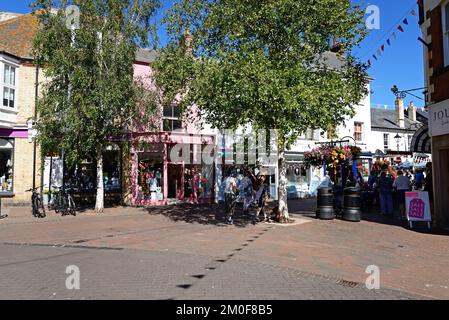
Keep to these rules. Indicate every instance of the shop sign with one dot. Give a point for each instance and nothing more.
(439, 119)
(418, 206)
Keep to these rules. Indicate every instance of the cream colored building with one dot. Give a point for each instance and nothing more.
(18, 76)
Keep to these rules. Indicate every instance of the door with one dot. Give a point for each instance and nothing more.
(174, 181)
(444, 164)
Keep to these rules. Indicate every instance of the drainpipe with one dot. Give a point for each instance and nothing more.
(35, 118)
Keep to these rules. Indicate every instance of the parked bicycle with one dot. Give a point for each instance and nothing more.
(62, 202)
(37, 204)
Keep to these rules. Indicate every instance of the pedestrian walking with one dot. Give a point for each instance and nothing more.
(386, 196)
(419, 179)
(262, 195)
(230, 197)
(402, 184)
(247, 188)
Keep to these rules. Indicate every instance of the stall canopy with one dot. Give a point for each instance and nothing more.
(421, 141)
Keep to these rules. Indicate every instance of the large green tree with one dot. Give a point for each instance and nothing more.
(265, 63)
(90, 95)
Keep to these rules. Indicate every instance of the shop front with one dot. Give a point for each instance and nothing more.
(16, 166)
(81, 178)
(169, 167)
(299, 177)
(439, 131)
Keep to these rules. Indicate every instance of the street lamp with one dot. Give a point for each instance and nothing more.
(397, 138)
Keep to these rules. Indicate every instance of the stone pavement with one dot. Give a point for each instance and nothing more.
(187, 252)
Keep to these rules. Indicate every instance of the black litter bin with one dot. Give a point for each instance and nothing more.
(325, 204)
(352, 205)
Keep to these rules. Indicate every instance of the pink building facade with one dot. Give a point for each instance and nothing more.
(158, 178)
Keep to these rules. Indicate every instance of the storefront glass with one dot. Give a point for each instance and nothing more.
(150, 178)
(6, 165)
(297, 175)
(363, 166)
(83, 177)
(111, 171)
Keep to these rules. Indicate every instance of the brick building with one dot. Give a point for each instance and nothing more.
(434, 21)
(18, 78)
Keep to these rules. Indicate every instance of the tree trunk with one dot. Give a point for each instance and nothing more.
(282, 188)
(99, 203)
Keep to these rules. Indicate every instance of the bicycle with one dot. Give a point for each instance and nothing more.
(62, 202)
(37, 204)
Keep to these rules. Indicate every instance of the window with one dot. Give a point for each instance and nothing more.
(309, 134)
(386, 141)
(171, 118)
(9, 86)
(358, 131)
(409, 138)
(6, 165)
(446, 33)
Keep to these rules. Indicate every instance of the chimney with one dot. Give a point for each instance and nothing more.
(400, 116)
(412, 112)
(337, 46)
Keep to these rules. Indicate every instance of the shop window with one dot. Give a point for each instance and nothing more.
(150, 178)
(83, 177)
(198, 179)
(111, 171)
(6, 165)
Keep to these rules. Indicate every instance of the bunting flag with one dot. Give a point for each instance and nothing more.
(401, 28)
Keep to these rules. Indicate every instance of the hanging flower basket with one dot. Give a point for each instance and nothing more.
(332, 156)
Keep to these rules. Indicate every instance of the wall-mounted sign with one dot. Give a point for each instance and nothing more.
(439, 119)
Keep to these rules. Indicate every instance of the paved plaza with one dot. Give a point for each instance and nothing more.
(188, 252)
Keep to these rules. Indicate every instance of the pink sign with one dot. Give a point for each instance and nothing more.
(418, 206)
(417, 209)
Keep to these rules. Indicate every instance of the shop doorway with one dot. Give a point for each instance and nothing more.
(175, 178)
(444, 174)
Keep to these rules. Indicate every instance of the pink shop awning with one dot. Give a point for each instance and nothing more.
(12, 133)
(173, 138)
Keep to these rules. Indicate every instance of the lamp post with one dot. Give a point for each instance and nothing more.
(397, 138)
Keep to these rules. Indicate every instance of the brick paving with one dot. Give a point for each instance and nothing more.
(38, 272)
(187, 252)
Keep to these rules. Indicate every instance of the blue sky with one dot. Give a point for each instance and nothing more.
(400, 64)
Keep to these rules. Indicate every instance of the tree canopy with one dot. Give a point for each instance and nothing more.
(265, 63)
(89, 94)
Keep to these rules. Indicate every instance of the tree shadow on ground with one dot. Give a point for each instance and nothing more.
(204, 214)
(307, 208)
